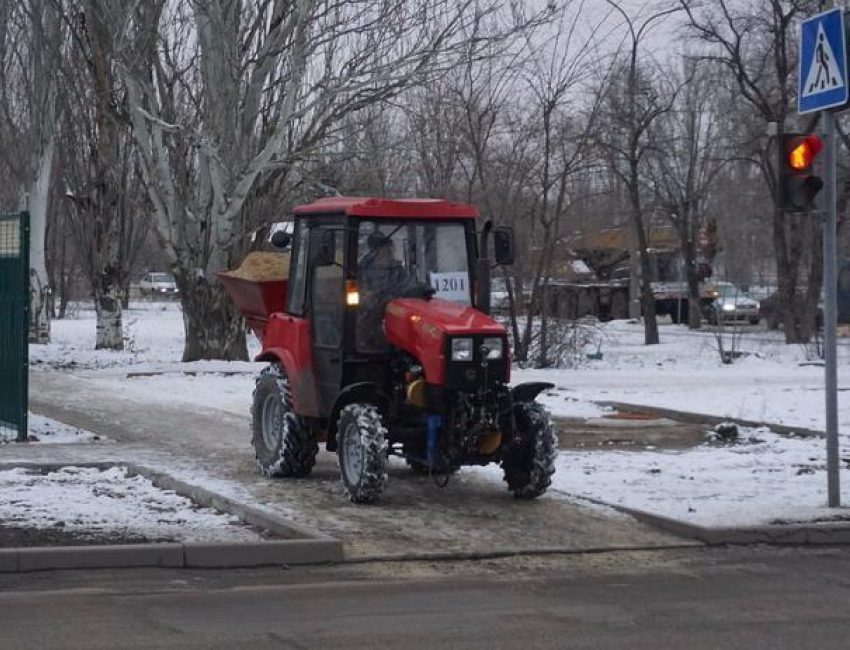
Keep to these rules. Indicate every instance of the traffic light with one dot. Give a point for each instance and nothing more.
(799, 186)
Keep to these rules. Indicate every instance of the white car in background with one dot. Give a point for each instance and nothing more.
(732, 304)
(157, 284)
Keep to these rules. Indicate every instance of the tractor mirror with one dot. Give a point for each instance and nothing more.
(503, 245)
(326, 255)
(281, 239)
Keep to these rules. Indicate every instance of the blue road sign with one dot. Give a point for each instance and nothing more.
(823, 63)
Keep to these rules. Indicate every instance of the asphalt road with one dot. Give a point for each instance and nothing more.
(690, 599)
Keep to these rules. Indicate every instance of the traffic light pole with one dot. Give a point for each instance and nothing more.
(830, 281)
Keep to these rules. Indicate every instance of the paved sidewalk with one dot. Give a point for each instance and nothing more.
(415, 517)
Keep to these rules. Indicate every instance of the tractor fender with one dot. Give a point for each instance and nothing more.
(301, 380)
(364, 391)
(529, 391)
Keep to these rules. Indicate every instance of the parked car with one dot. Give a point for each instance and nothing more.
(153, 284)
(733, 304)
(771, 311)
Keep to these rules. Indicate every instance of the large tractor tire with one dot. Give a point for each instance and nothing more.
(529, 466)
(283, 444)
(362, 450)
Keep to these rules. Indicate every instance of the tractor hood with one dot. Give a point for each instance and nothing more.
(422, 328)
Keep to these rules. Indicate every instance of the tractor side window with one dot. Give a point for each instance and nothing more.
(382, 274)
(298, 272)
(327, 301)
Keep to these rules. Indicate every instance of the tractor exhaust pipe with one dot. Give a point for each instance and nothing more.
(482, 271)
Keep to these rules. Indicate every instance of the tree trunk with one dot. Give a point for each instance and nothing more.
(650, 322)
(543, 360)
(40, 307)
(694, 302)
(214, 328)
(110, 332)
(536, 298)
(520, 353)
(815, 284)
(39, 325)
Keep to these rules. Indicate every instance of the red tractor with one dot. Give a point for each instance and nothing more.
(379, 344)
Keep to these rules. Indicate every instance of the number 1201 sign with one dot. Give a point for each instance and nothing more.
(451, 286)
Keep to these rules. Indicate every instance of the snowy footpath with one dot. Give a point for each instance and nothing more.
(761, 478)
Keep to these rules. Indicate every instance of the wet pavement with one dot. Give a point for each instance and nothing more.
(212, 449)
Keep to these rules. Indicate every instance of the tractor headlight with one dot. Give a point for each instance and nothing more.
(461, 349)
(494, 348)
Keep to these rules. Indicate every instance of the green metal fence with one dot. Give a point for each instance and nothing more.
(14, 321)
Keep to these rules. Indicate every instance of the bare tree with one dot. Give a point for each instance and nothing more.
(30, 39)
(497, 165)
(273, 81)
(99, 162)
(685, 164)
(632, 105)
(755, 44)
(508, 130)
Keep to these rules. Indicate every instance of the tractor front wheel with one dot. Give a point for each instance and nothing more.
(283, 444)
(362, 450)
(529, 465)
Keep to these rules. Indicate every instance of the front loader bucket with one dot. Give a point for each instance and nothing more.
(258, 288)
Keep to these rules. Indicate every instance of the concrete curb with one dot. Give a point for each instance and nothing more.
(301, 545)
(790, 534)
(803, 534)
(701, 418)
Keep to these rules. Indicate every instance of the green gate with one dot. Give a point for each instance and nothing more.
(14, 321)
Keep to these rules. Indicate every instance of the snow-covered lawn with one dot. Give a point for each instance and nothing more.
(775, 383)
(765, 478)
(92, 502)
(153, 332)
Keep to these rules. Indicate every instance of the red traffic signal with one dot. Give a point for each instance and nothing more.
(798, 185)
(803, 152)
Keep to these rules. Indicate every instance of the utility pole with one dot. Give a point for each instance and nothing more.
(823, 87)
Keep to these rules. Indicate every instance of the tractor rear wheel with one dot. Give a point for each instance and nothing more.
(283, 444)
(529, 466)
(362, 450)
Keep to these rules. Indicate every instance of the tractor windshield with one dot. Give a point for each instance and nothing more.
(394, 256)
(417, 253)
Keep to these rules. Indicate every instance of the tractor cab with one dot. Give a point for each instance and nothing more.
(351, 259)
(385, 346)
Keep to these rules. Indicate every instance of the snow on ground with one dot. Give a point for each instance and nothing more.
(46, 431)
(684, 372)
(229, 392)
(94, 502)
(152, 333)
(765, 478)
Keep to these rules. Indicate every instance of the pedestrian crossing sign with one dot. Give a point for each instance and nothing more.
(823, 63)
